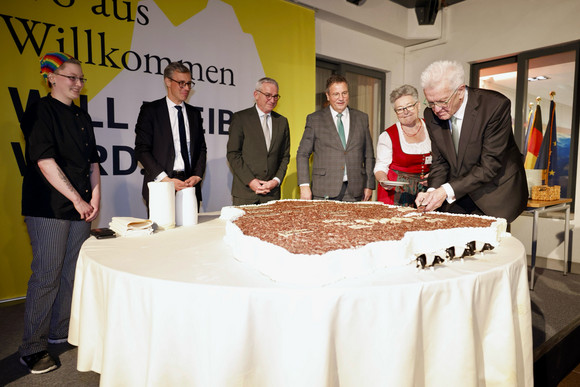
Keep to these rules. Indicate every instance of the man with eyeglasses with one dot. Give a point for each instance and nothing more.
(169, 139)
(258, 148)
(477, 166)
(339, 138)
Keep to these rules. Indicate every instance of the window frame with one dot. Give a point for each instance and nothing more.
(522, 60)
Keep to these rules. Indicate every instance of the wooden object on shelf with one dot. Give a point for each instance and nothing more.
(544, 192)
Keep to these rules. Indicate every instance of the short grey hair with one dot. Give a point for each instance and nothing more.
(402, 91)
(443, 72)
(261, 81)
(173, 67)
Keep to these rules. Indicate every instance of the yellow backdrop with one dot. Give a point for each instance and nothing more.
(283, 34)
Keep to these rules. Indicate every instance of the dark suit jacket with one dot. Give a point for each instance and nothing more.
(248, 156)
(488, 166)
(321, 138)
(154, 147)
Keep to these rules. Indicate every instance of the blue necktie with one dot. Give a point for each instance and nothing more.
(183, 141)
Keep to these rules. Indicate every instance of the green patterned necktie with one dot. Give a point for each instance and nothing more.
(340, 129)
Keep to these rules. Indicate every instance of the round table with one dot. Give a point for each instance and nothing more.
(175, 308)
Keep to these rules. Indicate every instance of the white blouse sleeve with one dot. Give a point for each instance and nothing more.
(384, 153)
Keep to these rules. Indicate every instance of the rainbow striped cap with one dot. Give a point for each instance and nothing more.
(51, 61)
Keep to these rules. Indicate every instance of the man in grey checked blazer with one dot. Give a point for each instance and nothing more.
(322, 138)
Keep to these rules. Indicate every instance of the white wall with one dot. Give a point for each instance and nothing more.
(472, 30)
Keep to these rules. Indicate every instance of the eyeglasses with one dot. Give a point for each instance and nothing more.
(73, 78)
(404, 109)
(269, 96)
(182, 84)
(441, 104)
(336, 95)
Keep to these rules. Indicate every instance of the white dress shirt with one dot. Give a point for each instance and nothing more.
(346, 125)
(269, 120)
(178, 164)
(459, 114)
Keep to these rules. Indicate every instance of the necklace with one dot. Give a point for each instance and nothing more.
(416, 132)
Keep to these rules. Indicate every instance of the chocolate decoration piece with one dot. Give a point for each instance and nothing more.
(421, 261)
(470, 248)
(437, 260)
(487, 246)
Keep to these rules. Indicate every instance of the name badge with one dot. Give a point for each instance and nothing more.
(428, 159)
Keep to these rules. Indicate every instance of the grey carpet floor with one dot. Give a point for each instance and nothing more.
(555, 304)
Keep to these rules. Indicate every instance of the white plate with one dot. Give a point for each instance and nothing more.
(394, 183)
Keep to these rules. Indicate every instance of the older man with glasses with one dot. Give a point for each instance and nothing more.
(477, 167)
(258, 148)
(169, 139)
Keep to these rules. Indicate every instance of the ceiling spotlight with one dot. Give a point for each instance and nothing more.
(357, 2)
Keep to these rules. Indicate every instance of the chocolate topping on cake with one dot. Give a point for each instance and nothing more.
(317, 227)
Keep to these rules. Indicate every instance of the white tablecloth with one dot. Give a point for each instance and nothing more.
(175, 309)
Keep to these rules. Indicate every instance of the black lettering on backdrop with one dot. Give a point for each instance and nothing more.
(84, 104)
(223, 121)
(223, 71)
(195, 69)
(101, 9)
(117, 150)
(102, 157)
(17, 149)
(29, 33)
(37, 33)
(33, 96)
(61, 3)
(211, 121)
(224, 118)
(111, 116)
(142, 11)
(210, 70)
(158, 60)
(108, 56)
(125, 62)
(89, 59)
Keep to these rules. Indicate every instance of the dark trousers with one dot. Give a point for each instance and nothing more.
(464, 205)
(55, 249)
(237, 201)
(343, 196)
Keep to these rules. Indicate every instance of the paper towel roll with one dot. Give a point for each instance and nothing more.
(534, 177)
(162, 204)
(186, 207)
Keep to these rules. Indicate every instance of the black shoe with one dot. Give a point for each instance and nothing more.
(39, 362)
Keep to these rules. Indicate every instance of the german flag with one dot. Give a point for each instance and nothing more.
(534, 140)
